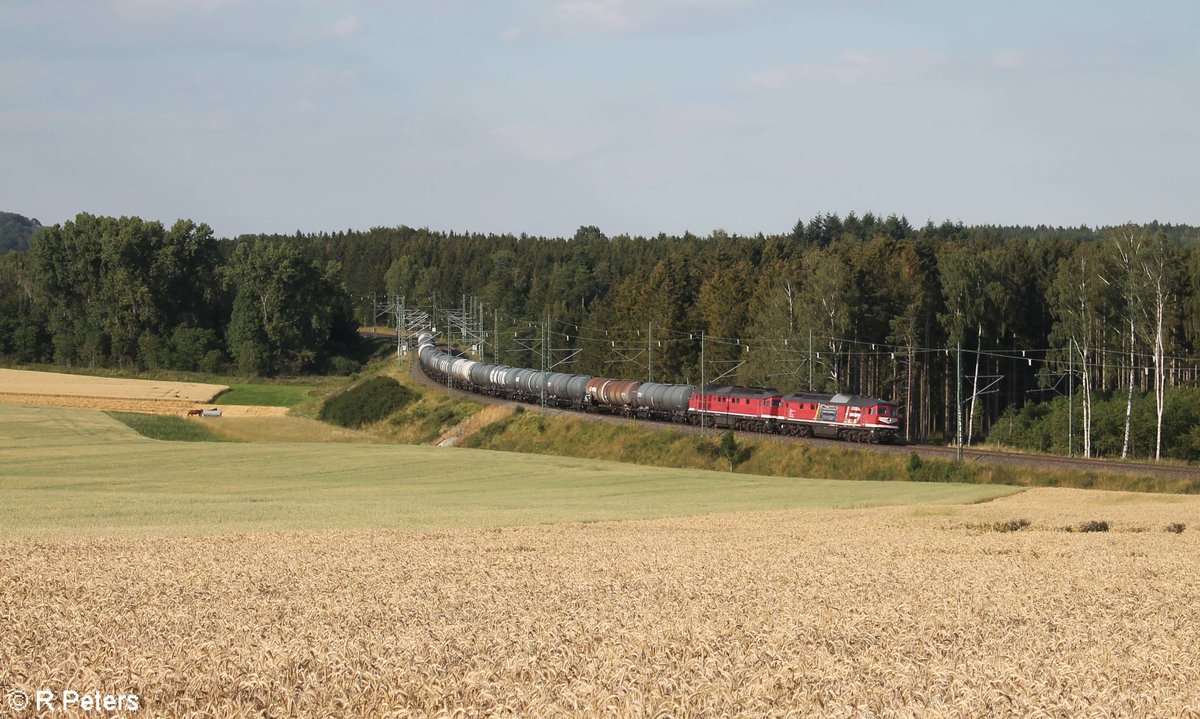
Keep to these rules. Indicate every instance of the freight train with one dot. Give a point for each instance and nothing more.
(756, 409)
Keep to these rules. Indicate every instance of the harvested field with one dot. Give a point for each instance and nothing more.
(14, 381)
(894, 611)
(110, 394)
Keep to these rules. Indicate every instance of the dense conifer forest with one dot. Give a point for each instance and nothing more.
(1026, 316)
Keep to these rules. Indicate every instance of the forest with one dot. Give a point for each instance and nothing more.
(1065, 339)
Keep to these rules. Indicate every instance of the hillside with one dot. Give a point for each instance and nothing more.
(16, 231)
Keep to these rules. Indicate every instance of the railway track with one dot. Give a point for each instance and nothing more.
(925, 451)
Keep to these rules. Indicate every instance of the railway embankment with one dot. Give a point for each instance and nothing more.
(530, 429)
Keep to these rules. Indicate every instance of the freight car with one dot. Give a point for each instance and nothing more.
(755, 409)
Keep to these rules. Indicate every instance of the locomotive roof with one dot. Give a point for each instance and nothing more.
(854, 400)
(731, 391)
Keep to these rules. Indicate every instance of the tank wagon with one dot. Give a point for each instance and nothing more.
(850, 417)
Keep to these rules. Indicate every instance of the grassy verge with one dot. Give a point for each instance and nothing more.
(166, 428)
(573, 437)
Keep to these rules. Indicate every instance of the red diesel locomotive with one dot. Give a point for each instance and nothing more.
(808, 414)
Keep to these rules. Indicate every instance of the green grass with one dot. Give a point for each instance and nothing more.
(82, 473)
(570, 436)
(170, 429)
(267, 395)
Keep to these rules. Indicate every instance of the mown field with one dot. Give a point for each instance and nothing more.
(75, 472)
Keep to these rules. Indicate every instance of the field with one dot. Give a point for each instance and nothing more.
(894, 611)
(274, 395)
(230, 580)
(116, 394)
(73, 472)
(13, 381)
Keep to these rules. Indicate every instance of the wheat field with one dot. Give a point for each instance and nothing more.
(894, 611)
(29, 382)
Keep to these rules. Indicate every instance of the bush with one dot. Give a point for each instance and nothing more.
(1092, 526)
(343, 366)
(1012, 525)
(366, 402)
(1176, 528)
(936, 470)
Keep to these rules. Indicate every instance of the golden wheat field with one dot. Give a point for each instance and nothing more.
(896, 611)
(53, 383)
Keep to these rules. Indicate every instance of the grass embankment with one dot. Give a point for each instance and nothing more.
(529, 432)
(387, 403)
(82, 473)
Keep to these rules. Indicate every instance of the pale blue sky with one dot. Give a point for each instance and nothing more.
(637, 116)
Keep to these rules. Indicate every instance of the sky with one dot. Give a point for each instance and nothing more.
(636, 116)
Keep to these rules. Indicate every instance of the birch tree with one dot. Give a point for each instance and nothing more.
(1158, 265)
(1075, 304)
(1126, 248)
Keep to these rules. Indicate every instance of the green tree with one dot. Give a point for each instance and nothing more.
(287, 312)
(730, 449)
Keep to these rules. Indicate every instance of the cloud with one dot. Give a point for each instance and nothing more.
(159, 8)
(596, 15)
(613, 17)
(544, 143)
(849, 67)
(1011, 60)
(694, 118)
(346, 28)
(772, 79)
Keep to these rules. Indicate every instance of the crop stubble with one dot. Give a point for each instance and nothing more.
(115, 394)
(909, 611)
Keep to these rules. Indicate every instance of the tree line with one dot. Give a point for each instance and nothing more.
(863, 304)
(129, 293)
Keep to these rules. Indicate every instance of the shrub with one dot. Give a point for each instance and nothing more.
(1176, 528)
(343, 366)
(1012, 525)
(936, 470)
(1092, 526)
(366, 402)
